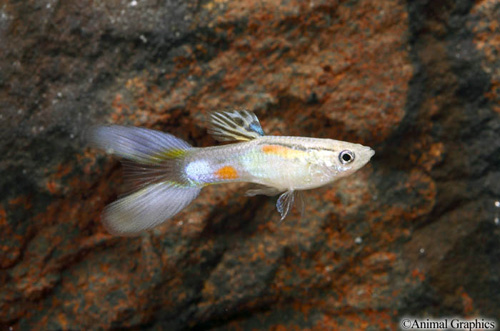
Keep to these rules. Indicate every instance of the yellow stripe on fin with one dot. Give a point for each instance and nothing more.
(170, 154)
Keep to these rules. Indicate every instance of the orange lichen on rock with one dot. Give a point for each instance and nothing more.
(21, 200)
(487, 40)
(418, 274)
(3, 217)
(467, 302)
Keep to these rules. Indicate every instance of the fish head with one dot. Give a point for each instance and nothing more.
(341, 158)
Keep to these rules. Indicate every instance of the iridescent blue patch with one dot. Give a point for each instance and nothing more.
(255, 127)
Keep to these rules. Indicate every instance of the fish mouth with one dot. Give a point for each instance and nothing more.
(369, 151)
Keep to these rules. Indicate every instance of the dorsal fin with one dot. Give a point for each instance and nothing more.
(234, 125)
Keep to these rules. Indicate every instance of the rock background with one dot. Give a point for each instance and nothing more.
(415, 233)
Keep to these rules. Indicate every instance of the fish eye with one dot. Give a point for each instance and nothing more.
(346, 157)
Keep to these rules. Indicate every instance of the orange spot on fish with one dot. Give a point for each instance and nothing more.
(226, 172)
(284, 152)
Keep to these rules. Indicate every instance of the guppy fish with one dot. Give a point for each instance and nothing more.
(169, 173)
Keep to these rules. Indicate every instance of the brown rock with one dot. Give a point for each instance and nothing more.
(413, 233)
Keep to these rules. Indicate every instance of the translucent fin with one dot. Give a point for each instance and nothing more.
(147, 208)
(301, 205)
(139, 175)
(153, 165)
(256, 189)
(285, 203)
(137, 144)
(235, 125)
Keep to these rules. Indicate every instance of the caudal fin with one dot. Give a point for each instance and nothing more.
(146, 208)
(154, 167)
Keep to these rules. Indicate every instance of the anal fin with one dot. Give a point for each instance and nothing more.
(258, 189)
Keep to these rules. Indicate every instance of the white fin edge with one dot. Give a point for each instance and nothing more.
(147, 208)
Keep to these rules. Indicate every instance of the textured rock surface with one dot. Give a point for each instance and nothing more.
(413, 233)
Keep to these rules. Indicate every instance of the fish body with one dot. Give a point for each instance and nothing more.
(168, 173)
(283, 163)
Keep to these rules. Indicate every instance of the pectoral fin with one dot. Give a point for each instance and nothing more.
(285, 203)
(240, 125)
